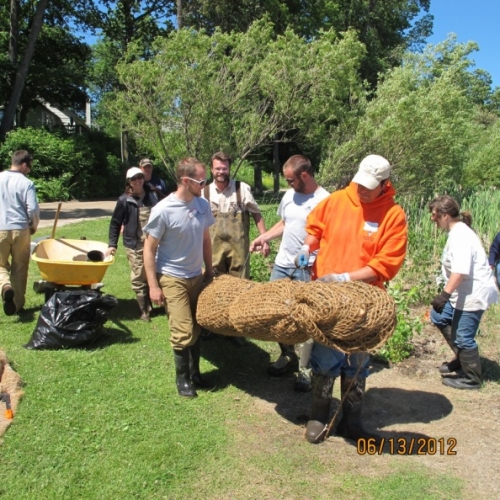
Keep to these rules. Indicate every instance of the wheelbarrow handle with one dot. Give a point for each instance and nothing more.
(55, 221)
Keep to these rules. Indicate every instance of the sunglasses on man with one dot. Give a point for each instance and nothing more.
(200, 183)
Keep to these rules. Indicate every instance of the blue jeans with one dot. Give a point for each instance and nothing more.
(332, 363)
(294, 273)
(497, 273)
(464, 325)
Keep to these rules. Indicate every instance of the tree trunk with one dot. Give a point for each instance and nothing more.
(14, 31)
(179, 14)
(22, 70)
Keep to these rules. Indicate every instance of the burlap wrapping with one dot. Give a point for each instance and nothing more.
(351, 316)
(10, 382)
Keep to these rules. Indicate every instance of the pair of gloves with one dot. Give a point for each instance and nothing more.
(302, 260)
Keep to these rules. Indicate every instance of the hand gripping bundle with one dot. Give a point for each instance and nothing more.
(351, 316)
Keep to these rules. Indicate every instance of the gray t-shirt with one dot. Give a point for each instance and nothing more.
(179, 225)
(18, 204)
(293, 210)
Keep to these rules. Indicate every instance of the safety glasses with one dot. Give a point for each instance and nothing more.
(200, 183)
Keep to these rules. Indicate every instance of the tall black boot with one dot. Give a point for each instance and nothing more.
(288, 362)
(182, 379)
(322, 387)
(471, 365)
(194, 367)
(144, 306)
(351, 425)
(449, 366)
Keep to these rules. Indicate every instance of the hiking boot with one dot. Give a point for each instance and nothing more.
(9, 308)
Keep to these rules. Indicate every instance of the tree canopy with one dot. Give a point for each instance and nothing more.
(236, 91)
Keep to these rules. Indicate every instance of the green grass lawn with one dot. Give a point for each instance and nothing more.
(106, 422)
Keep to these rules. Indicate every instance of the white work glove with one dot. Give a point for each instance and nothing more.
(335, 278)
(302, 258)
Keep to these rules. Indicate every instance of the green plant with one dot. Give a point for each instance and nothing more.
(56, 188)
(68, 166)
(399, 345)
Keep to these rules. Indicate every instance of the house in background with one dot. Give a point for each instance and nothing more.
(46, 115)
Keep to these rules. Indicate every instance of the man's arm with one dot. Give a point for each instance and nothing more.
(33, 209)
(275, 232)
(155, 292)
(207, 252)
(259, 222)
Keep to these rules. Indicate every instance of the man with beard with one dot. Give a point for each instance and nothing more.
(294, 208)
(177, 244)
(232, 204)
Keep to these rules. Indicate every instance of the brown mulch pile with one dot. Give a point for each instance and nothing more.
(10, 384)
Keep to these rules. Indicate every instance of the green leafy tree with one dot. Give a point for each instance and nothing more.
(42, 59)
(424, 119)
(236, 91)
(385, 28)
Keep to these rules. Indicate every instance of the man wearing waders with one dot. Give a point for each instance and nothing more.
(293, 210)
(232, 203)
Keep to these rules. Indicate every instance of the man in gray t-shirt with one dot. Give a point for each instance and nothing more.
(294, 208)
(177, 244)
(19, 217)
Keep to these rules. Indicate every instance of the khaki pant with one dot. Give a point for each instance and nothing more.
(137, 272)
(16, 245)
(181, 295)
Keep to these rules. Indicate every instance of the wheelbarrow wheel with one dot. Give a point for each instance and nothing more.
(48, 295)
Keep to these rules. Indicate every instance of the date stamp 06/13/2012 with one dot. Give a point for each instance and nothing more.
(407, 446)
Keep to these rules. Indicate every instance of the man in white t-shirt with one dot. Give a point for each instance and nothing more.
(293, 210)
(177, 245)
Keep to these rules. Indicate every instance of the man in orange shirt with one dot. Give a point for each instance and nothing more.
(361, 234)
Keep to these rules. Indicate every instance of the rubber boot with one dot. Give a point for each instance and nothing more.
(144, 306)
(351, 425)
(316, 427)
(303, 380)
(471, 366)
(449, 366)
(9, 308)
(182, 379)
(194, 367)
(288, 362)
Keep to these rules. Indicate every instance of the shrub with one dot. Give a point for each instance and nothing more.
(68, 166)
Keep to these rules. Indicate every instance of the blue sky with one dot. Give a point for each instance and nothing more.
(477, 21)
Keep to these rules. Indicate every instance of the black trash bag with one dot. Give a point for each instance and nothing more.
(70, 319)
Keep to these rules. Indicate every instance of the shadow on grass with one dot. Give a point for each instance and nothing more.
(128, 309)
(110, 336)
(491, 370)
(246, 368)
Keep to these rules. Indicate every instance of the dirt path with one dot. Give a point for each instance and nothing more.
(74, 211)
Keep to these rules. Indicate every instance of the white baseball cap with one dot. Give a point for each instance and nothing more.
(372, 171)
(133, 171)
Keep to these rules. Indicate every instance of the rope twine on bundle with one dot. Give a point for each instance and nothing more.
(351, 316)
